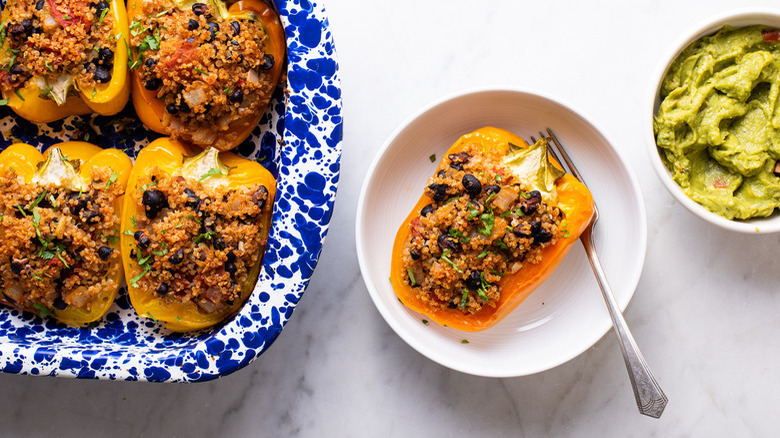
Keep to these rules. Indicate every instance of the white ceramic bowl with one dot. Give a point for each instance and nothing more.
(564, 316)
(734, 18)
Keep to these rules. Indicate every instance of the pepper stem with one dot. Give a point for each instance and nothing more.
(207, 168)
(57, 171)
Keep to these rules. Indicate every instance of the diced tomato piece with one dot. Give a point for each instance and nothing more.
(719, 184)
(771, 35)
(75, 13)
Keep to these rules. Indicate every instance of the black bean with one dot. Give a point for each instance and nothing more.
(213, 29)
(442, 173)
(176, 257)
(542, 236)
(153, 84)
(90, 216)
(183, 107)
(236, 26)
(428, 209)
(171, 109)
(192, 198)
(474, 280)
(458, 160)
(143, 240)
(472, 185)
(102, 75)
(39, 4)
(414, 253)
(230, 267)
(28, 26)
(268, 62)
(218, 243)
(150, 63)
(104, 252)
(259, 197)
(162, 289)
(100, 7)
(133, 254)
(17, 265)
(531, 204)
(154, 201)
(439, 192)
(493, 188)
(536, 226)
(192, 24)
(77, 202)
(106, 54)
(17, 69)
(237, 96)
(60, 304)
(199, 8)
(16, 29)
(231, 256)
(445, 242)
(523, 230)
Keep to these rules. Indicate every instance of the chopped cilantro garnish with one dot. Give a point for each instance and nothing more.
(43, 311)
(487, 224)
(412, 281)
(214, 171)
(450, 262)
(111, 179)
(432, 158)
(102, 15)
(463, 299)
(18, 94)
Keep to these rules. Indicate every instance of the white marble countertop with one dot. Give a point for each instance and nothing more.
(704, 313)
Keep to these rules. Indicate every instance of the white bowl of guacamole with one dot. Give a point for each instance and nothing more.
(714, 132)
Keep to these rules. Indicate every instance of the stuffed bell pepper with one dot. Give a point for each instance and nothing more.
(203, 72)
(59, 229)
(63, 57)
(194, 232)
(493, 223)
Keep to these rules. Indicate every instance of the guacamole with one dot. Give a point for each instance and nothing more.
(718, 124)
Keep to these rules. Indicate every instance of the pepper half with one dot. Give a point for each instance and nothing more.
(211, 169)
(41, 100)
(69, 166)
(151, 109)
(572, 198)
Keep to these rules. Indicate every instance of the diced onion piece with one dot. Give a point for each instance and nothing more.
(196, 95)
(252, 77)
(504, 199)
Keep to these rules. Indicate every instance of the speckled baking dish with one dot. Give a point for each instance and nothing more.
(298, 140)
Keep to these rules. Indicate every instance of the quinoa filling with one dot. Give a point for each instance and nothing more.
(481, 225)
(56, 244)
(57, 43)
(197, 243)
(209, 71)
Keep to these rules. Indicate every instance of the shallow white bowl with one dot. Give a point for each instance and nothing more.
(734, 18)
(567, 314)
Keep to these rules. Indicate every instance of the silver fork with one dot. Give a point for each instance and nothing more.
(650, 399)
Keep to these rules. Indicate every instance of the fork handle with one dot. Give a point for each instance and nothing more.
(650, 399)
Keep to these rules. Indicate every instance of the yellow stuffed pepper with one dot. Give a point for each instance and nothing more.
(59, 229)
(194, 227)
(203, 72)
(63, 57)
(493, 223)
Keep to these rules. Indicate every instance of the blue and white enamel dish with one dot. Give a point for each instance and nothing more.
(298, 140)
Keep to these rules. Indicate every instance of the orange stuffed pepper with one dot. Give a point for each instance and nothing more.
(203, 72)
(59, 229)
(495, 220)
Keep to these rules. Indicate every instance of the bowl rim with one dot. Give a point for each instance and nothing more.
(380, 156)
(702, 28)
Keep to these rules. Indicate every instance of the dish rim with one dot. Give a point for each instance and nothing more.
(384, 151)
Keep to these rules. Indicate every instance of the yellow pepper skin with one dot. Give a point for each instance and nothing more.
(25, 161)
(150, 109)
(173, 157)
(107, 99)
(574, 200)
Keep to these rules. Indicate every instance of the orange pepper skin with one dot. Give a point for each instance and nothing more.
(169, 156)
(150, 109)
(108, 99)
(574, 200)
(24, 159)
